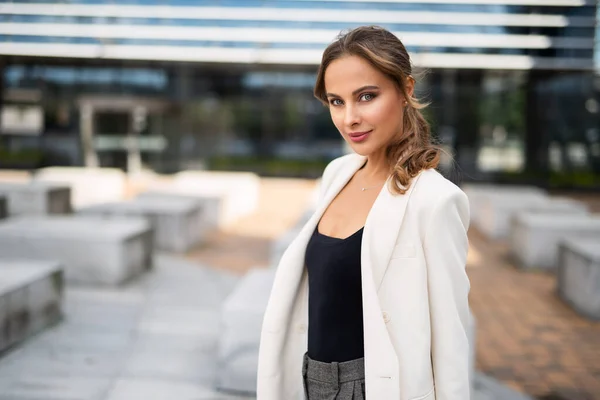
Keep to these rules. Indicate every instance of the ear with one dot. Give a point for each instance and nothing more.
(410, 85)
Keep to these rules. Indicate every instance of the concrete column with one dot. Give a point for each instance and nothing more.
(134, 155)
(86, 128)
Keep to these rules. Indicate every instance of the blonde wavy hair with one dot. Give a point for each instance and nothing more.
(412, 150)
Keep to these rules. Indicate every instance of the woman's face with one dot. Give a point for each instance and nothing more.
(365, 105)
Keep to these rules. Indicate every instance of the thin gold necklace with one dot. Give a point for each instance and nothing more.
(363, 188)
(368, 187)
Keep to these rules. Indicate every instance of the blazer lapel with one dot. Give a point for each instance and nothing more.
(381, 230)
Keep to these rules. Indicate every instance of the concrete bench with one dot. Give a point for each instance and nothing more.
(496, 212)
(176, 223)
(36, 198)
(479, 193)
(88, 185)
(93, 251)
(534, 237)
(579, 274)
(30, 298)
(3, 207)
(238, 191)
(240, 327)
(210, 205)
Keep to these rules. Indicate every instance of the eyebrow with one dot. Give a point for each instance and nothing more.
(360, 89)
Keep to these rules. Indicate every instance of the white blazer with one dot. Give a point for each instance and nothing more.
(414, 293)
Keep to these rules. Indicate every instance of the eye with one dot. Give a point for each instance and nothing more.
(367, 96)
(333, 102)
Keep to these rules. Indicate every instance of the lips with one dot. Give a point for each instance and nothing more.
(358, 136)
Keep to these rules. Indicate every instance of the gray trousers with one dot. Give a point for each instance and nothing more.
(333, 381)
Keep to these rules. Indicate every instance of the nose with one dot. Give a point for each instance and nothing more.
(351, 117)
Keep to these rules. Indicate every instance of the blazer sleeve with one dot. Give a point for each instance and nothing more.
(446, 246)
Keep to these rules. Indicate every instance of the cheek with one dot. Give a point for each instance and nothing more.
(378, 115)
(388, 116)
(336, 118)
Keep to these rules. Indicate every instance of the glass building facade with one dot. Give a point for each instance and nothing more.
(513, 84)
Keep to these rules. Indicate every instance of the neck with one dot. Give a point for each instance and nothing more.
(376, 168)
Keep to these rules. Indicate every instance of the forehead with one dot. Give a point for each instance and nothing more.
(348, 73)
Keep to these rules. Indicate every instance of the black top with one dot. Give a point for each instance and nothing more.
(335, 324)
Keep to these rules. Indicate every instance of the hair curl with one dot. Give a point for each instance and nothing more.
(412, 150)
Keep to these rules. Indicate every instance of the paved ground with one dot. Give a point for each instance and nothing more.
(155, 339)
(527, 337)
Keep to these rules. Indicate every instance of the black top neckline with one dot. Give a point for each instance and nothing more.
(336, 239)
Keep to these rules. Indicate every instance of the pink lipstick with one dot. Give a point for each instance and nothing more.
(358, 136)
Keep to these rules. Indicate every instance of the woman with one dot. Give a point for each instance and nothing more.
(370, 300)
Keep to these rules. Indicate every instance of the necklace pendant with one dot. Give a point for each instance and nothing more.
(363, 189)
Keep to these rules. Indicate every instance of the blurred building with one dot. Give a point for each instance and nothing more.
(228, 83)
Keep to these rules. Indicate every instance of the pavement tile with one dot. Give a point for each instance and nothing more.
(36, 387)
(527, 336)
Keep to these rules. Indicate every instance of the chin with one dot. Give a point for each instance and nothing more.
(361, 149)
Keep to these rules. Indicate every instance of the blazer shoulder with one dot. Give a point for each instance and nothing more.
(433, 188)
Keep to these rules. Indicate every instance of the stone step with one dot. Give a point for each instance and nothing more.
(36, 198)
(88, 185)
(92, 250)
(239, 339)
(534, 238)
(176, 222)
(211, 205)
(579, 274)
(478, 194)
(488, 388)
(496, 214)
(31, 295)
(238, 191)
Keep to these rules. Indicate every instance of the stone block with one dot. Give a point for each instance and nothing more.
(30, 298)
(210, 205)
(176, 223)
(36, 198)
(93, 251)
(88, 185)
(579, 274)
(497, 212)
(534, 237)
(238, 191)
(241, 324)
(479, 193)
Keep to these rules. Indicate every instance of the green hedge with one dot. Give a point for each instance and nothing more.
(20, 159)
(270, 166)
